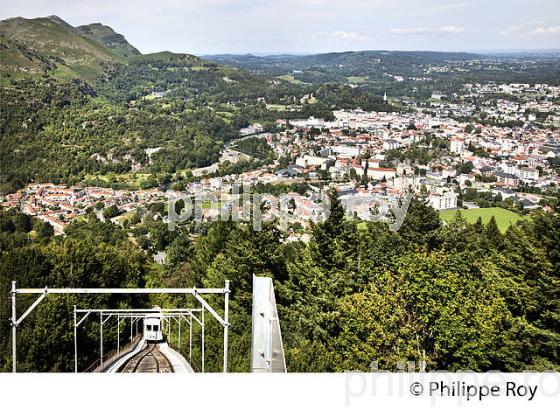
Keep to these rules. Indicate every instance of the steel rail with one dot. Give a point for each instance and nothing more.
(142, 358)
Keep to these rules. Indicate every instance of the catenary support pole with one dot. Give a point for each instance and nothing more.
(190, 339)
(75, 342)
(226, 326)
(14, 319)
(118, 334)
(202, 339)
(101, 337)
(179, 333)
(45, 291)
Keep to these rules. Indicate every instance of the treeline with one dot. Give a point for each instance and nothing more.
(255, 147)
(420, 72)
(344, 97)
(197, 83)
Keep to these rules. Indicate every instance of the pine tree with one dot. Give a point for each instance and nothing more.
(493, 234)
(421, 224)
(327, 234)
(479, 225)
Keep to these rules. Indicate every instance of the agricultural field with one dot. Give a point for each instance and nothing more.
(504, 217)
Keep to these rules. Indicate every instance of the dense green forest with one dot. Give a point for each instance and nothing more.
(64, 131)
(458, 296)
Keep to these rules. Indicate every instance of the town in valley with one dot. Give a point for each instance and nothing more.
(372, 159)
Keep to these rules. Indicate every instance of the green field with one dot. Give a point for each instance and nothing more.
(132, 180)
(357, 80)
(276, 107)
(199, 68)
(208, 205)
(504, 218)
(149, 97)
(289, 78)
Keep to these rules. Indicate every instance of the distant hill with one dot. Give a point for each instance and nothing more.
(170, 57)
(349, 63)
(337, 58)
(109, 38)
(399, 73)
(50, 46)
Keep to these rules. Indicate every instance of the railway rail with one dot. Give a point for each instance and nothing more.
(148, 360)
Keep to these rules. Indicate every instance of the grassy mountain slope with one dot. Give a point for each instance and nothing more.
(43, 46)
(109, 38)
(52, 47)
(63, 23)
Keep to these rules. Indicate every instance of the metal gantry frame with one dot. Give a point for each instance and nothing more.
(135, 315)
(205, 306)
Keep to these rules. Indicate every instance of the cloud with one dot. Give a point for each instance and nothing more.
(519, 29)
(450, 6)
(546, 30)
(530, 28)
(422, 31)
(345, 35)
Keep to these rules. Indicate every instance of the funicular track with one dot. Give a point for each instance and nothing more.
(148, 360)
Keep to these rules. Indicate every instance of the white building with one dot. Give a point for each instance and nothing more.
(391, 144)
(447, 200)
(311, 160)
(529, 174)
(379, 173)
(347, 151)
(457, 145)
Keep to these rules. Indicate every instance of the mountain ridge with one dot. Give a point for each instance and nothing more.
(50, 46)
(47, 46)
(109, 38)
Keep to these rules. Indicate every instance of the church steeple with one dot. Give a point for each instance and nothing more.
(385, 97)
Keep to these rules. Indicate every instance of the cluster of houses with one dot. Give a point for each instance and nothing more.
(354, 146)
(59, 205)
(349, 154)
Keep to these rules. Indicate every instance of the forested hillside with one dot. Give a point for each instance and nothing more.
(460, 297)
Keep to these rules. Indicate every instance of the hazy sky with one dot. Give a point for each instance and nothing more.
(274, 26)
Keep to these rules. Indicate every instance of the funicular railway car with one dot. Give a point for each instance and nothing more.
(152, 329)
